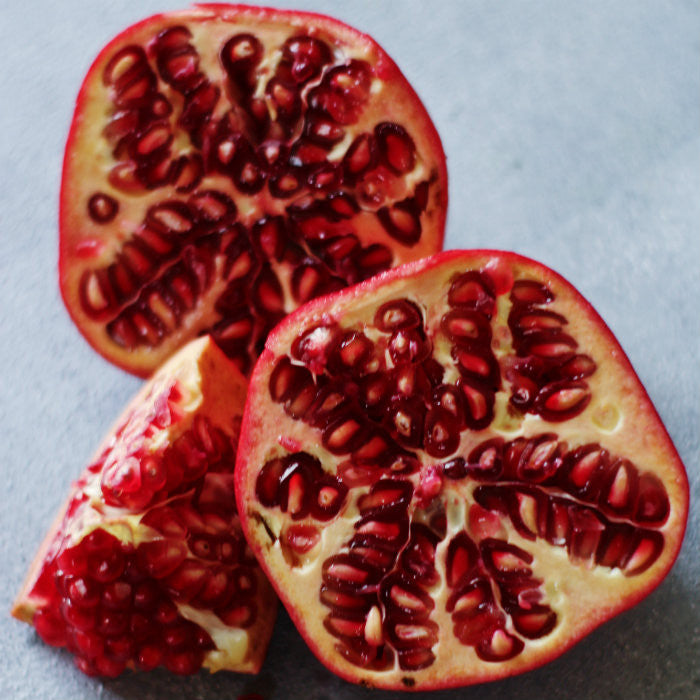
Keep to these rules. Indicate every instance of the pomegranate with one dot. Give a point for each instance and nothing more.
(226, 164)
(146, 565)
(451, 473)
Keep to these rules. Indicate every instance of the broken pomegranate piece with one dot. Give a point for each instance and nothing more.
(451, 473)
(147, 565)
(225, 165)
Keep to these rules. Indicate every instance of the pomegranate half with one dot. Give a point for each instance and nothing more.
(451, 473)
(226, 164)
(146, 564)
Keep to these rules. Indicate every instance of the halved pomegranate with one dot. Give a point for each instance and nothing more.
(146, 564)
(226, 164)
(451, 473)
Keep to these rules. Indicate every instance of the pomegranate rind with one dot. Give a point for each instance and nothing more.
(84, 245)
(620, 416)
(215, 389)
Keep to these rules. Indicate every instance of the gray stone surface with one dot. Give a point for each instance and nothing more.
(573, 136)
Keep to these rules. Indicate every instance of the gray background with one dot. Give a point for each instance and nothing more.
(573, 136)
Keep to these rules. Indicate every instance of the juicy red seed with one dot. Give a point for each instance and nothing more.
(360, 156)
(530, 292)
(112, 623)
(159, 558)
(102, 208)
(505, 561)
(408, 346)
(404, 600)
(385, 495)
(81, 618)
(561, 401)
(321, 130)
(310, 347)
(239, 56)
(406, 416)
(462, 558)
(351, 351)
(127, 60)
(441, 433)
(50, 626)
(117, 595)
(172, 39)
(301, 538)
(499, 646)
(343, 92)
(288, 380)
(455, 468)
(478, 402)
(89, 644)
(486, 460)
(466, 326)
(473, 290)
(402, 221)
(149, 657)
(652, 502)
(305, 57)
(398, 314)
(184, 663)
(373, 259)
(329, 496)
(578, 367)
(396, 146)
(83, 591)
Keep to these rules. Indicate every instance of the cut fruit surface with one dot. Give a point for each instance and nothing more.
(146, 565)
(225, 165)
(451, 473)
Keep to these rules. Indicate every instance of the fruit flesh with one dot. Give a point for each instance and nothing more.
(226, 164)
(146, 564)
(447, 562)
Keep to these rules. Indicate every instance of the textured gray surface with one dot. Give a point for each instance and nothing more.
(573, 136)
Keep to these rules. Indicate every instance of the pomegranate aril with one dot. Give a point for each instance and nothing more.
(160, 558)
(102, 208)
(360, 157)
(402, 221)
(473, 290)
(499, 645)
(441, 433)
(529, 292)
(408, 346)
(396, 147)
(466, 326)
(82, 619)
(303, 57)
(462, 558)
(239, 56)
(50, 626)
(653, 504)
(83, 591)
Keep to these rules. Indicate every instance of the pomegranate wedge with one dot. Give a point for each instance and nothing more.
(451, 473)
(226, 164)
(146, 564)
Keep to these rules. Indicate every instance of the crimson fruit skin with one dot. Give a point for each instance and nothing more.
(227, 163)
(451, 473)
(146, 564)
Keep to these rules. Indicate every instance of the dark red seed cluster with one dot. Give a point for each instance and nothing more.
(375, 588)
(550, 378)
(298, 485)
(134, 477)
(107, 611)
(114, 605)
(479, 616)
(281, 144)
